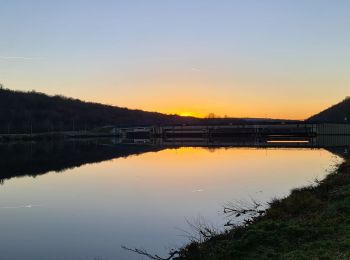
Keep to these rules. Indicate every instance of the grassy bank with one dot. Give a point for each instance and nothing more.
(311, 223)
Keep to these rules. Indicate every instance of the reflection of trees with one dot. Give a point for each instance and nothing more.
(35, 158)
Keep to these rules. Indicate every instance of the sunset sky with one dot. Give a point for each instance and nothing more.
(244, 58)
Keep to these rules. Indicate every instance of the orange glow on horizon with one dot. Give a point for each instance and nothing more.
(185, 114)
(202, 105)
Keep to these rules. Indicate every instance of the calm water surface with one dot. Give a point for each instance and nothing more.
(142, 200)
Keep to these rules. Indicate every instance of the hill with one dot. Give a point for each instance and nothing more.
(338, 113)
(34, 112)
(25, 112)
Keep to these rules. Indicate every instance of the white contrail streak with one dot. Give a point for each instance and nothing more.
(19, 58)
(20, 207)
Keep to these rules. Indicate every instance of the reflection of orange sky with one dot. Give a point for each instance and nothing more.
(163, 189)
(157, 181)
(190, 168)
(203, 157)
(203, 162)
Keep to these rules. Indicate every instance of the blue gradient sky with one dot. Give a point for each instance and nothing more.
(240, 58)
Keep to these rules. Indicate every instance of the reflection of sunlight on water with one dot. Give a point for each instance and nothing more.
(287, 141)
(99, 205)
(185, 150)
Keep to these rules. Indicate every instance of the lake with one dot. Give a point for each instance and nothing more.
(84, 199)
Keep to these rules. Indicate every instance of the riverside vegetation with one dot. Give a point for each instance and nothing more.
(311, 223)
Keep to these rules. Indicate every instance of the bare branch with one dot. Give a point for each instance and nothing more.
(202, 230)
(143, 252)
(241, 208)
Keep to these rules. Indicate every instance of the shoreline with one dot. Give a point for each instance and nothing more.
(313, 222)
(53, 135)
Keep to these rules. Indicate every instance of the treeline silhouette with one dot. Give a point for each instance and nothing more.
(30, 112)
(34, 112)
(338, 113)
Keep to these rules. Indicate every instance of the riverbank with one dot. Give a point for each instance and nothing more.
(311, 223)
(53, 136)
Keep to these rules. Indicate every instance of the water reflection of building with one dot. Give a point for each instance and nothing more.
(338, 144)
(29, 158)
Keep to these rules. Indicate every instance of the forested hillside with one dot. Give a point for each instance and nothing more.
(25, 112)
(338, 113)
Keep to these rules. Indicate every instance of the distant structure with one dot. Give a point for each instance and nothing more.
(243, 130)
